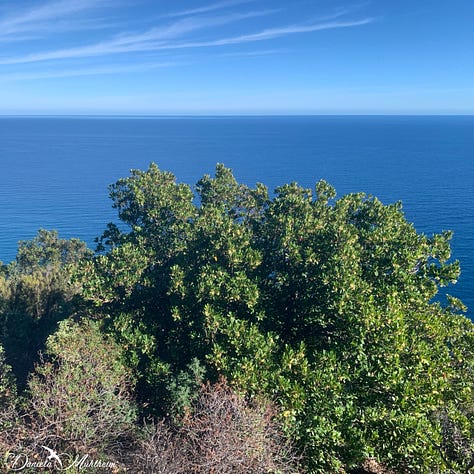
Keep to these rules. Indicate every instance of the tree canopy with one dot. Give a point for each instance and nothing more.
(326, 306)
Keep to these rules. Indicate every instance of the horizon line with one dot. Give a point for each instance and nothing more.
(230, 115)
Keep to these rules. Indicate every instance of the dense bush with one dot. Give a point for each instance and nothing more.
(77, 404)
(8, 402)
(325, 306)
(221, 433)
(79, 396)
(7, 383)
(36, 293)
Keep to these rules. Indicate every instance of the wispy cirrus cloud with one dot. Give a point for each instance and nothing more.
(208, 8)
(154, 39)
(91, 71)
(40, 17)
(273, 33)
(170, 37)
(258, 52)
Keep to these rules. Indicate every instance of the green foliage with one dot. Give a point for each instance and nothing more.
(9, 419)
(80, 393)
(7, 383)
(36, 293)
(183, 388)
(325, 306)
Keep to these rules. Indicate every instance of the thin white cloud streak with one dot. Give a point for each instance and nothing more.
(167, 37)
(17, 38)
(60, 26)
(208, 8)
(264, 35)
(95, 71)
(150, 40)
(37, 18)
(263, 52)
(274, 33)
(184, 26)
(333, 16)
(67, 25)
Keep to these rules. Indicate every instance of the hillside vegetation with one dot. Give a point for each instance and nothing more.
(224, 330)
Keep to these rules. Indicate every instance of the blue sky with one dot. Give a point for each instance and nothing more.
(236, 57)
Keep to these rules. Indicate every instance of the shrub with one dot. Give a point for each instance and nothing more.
(328, 306)
(7, 382)
(222, 433)
(36, 293)
(79, 396)
(8, 399)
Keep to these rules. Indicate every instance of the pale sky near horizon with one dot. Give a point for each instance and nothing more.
(236, 57)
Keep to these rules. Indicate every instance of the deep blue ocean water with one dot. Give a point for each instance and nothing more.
(55, 171)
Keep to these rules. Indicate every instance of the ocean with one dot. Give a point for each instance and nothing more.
(55, 171)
